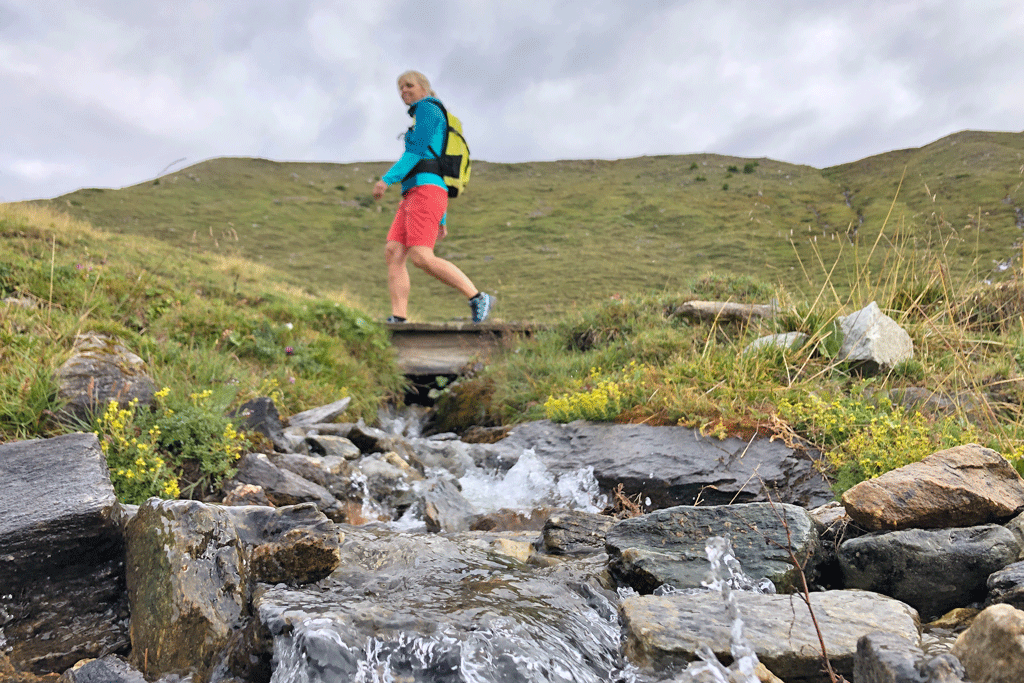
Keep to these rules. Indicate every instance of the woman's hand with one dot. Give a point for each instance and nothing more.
(379, 188)
(442, 231)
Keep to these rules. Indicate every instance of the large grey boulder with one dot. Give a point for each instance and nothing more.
(192, 569)
(668, 546)
(669, 466)
(61, 554)
(932, 570)
(664, 632)
(957, 487)
(101, 369)
(873, 339)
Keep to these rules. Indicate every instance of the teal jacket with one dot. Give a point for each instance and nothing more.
(426, 133)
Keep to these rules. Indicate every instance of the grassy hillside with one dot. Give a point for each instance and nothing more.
(550, 237)
(239, 277)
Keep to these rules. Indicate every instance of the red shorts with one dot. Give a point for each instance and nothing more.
(418, 219)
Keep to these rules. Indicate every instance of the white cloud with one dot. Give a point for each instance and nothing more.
(107, 92)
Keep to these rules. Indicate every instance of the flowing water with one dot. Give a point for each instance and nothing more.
(407, 606)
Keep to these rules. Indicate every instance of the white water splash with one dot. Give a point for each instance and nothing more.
(725, 576)
(529, 485)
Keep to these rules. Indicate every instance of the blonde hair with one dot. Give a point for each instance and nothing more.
(419, 78)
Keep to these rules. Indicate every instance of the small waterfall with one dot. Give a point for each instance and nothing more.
(726, 576)
(529, 484)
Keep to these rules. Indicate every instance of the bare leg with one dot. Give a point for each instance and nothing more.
(447, 272)
(398, 278)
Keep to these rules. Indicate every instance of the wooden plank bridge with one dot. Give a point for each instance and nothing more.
(447, 348)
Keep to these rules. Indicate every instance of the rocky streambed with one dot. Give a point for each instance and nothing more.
(554, 553)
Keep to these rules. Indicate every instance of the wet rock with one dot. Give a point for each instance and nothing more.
(572, 532)
(186, 584)
(284, 487)
(453, 456)
(668, 546)
(962, 486)
(327, 413)
(332, 472)
(888, 658)
(1007, 585)
(192, 567)
(330, 445)
(61, 555)
(294, 545)
(101, 369)
(992, 649)
(261, 417)
(237, 493)
(444, 508)
(109, 669)
(1016, 527)
(663, 632)
(370, 440)
(874, 340)
(932, 570)
(515, 520)
(669, 465)
(388, 480)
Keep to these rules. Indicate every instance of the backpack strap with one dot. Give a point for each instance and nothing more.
(433, 165)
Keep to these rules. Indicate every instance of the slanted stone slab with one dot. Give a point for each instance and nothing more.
(61, 554)
(664, 632)
(957, 487)
(328, 413)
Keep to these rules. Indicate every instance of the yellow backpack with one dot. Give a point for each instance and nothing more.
(452, 164)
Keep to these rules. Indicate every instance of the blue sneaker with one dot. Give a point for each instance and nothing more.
(393, 320)
(481, 306)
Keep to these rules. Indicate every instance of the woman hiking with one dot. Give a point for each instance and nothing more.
(420, 218)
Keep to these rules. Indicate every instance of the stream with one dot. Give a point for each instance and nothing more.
(407, 606)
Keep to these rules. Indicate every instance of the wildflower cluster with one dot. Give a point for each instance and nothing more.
(156, 452)
(862, 440)
(599, 400)
(136, 470)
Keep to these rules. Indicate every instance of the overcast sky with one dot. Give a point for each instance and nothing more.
(109, 93)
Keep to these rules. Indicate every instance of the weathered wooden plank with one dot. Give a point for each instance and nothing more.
(447, 348)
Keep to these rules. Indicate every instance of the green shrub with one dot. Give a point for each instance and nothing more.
(862, 440)
(182, 446)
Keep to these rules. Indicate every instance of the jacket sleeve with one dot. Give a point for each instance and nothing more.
(417, 141)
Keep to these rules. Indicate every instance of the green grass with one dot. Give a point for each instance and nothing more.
(551, 237)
